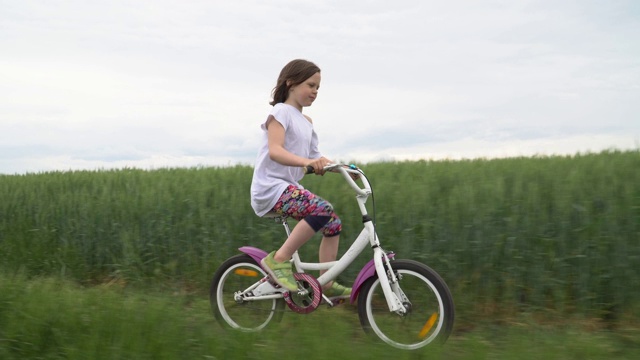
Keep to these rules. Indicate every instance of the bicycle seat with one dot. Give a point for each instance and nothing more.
(271, 215)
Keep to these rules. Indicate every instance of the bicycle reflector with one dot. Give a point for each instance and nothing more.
(428, 325)
(246, 272)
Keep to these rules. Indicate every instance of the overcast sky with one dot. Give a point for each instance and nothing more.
(166, 83)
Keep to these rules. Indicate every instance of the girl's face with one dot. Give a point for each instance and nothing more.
(305, 93)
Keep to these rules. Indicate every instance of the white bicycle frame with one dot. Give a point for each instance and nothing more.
(388, 280)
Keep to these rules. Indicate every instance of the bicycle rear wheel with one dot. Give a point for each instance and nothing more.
(235, 275)
(430, 310)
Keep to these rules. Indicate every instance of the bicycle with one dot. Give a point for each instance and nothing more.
(403, 302)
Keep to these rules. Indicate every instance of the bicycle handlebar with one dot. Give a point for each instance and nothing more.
(308, 170)
(345, 171)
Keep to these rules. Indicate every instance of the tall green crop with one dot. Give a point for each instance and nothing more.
(558, 234)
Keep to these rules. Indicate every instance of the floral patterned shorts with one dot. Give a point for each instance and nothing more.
(303, 204)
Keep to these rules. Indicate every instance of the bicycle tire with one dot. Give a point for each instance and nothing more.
(431, 309)
(237, 274)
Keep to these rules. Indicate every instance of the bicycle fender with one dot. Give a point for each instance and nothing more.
(254, 252)
(367, 271)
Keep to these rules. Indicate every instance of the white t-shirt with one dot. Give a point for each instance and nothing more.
(270, 179)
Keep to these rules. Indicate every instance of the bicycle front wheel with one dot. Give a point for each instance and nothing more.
(430, 310)
(237, 274)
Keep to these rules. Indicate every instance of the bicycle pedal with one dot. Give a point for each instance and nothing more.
(332, 302)
(338, 301)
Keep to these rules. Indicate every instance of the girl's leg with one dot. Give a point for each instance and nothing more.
(313, 214)
(300, 234)
(329, 247)
(330, 239)
(277, 263)
(328, 250)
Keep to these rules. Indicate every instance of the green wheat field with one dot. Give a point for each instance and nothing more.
(542, 255)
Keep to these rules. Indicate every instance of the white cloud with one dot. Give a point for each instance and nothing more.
(169, 83)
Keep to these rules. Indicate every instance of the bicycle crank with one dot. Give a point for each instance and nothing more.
(308, 297)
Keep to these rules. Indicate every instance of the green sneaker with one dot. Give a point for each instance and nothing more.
(337, 291)
(280, 272)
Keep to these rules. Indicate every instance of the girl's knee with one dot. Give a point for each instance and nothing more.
(333, 227)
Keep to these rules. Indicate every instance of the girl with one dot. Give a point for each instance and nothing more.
(289, 144)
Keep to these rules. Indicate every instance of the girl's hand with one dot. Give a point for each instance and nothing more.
(319, 164)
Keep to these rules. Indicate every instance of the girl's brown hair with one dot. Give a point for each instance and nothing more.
(294, 73)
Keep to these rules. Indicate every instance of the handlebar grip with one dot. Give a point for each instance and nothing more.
(308, 170)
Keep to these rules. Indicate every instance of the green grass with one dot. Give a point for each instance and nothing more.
(49, 318)
(548, 235)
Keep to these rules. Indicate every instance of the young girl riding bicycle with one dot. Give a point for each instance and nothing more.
(289, 144)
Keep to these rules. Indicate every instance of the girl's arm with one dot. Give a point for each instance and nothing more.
(277, 152)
